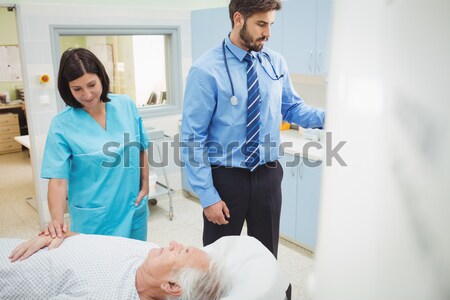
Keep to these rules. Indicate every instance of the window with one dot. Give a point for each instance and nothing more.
(142, 62)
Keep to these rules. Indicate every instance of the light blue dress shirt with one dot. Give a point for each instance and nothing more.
(102, 166)
(214, 130)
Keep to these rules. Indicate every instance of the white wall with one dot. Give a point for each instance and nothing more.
(34, 34)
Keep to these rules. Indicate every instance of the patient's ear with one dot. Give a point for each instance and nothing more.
(172, 288)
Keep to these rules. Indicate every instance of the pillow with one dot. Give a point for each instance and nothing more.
(255, 273)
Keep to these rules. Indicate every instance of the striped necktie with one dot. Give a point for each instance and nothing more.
(253, 112)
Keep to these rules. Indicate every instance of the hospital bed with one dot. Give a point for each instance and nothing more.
(255, 273)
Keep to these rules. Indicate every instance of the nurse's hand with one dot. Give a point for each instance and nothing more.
(142, 193)
(28, 248)
(217, 212)
(56, 229)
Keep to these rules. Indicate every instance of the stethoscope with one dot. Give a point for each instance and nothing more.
(233, 99)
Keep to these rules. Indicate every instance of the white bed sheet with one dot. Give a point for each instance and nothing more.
(69, 273)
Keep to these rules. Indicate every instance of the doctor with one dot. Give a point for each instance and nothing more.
(95, 155)
(236, 97)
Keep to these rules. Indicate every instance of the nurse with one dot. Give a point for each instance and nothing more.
(95, 155)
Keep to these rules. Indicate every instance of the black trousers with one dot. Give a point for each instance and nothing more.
(254, 197)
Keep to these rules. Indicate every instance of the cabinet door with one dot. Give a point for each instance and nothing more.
(299, 35)
(308, 192)
(202, 35)
(289, 196)
(208, 28)
(221, 25)
(324, 8)
(276, 33)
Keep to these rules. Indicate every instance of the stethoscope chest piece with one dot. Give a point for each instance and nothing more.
(234, 100)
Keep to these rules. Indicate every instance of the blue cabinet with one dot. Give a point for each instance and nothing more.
(301, 193)
(323, 33)
(308, 196)
(300, 33)
(289, 204)
(305, 35)
(209, 27)
(201, 33)
(275, 41)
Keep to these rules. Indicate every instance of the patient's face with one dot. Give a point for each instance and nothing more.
(162, 262)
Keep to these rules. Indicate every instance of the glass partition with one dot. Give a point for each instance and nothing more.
(143, 63)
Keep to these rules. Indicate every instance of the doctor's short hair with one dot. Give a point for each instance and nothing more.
(249, 7)
(211, 284)
(75, 62)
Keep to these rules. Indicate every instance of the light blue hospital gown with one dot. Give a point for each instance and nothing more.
(83, 267)
(101, 166)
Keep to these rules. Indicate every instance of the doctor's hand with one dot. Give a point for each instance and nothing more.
(142, 193)
(28, 248)
(217, 212)
(55, 229)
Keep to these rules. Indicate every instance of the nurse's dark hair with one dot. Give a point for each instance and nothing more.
(75, 62)
(249, 7)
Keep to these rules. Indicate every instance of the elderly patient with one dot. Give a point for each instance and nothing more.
(105, 267)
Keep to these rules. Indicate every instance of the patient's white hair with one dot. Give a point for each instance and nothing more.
(211, 284)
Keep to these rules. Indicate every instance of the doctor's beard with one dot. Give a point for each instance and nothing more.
(249, 43)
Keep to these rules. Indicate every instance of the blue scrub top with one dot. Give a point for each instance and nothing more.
(101, 166)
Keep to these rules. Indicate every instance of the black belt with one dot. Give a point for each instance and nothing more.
(270, 164)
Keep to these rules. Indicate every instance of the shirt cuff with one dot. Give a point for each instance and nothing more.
(209, 197)
(319, 121)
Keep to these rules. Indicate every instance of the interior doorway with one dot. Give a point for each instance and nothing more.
(14, 127)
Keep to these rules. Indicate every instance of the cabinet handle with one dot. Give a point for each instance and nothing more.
(300, 170)
(319, 61)
(310, 61)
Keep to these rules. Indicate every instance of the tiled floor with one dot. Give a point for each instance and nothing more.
(19, 219)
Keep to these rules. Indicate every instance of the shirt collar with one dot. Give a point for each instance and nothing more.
(238, 52)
